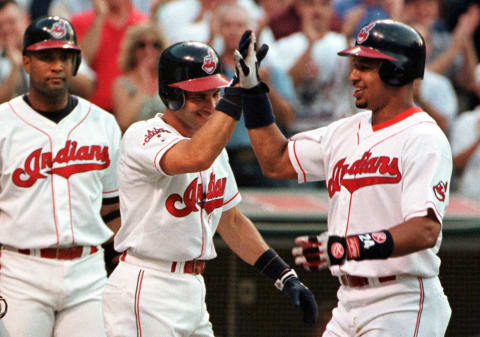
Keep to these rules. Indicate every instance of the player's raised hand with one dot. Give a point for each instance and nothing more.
(319, 252)
(301, 296)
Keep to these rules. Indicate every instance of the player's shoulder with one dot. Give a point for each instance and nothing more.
(150, 128)
(93, 110)
(13, 107)
(424, 133)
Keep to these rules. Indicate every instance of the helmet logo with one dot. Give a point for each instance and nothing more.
(364, 33)
(210, 63)
(58, 30)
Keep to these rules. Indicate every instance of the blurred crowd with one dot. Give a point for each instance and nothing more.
(121, 41)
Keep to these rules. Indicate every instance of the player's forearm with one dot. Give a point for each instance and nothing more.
(209, 141)
(415, 235)
(241, 236)
(271, 149)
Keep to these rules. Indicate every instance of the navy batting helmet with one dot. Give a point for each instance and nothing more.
(188, 66)
(401, 48)
(52, 32)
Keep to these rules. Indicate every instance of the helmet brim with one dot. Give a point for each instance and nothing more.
(51, 44)
(366, 52)
(202, 83)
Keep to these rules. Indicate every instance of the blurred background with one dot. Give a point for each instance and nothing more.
(121, 41)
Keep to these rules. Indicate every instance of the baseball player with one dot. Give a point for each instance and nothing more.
(387, 171)
(58, 156)
(176, 190)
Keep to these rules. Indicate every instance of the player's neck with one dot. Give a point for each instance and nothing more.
(42, 102)
(397, 102)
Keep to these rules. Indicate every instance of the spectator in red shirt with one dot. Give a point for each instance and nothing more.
(101, 31)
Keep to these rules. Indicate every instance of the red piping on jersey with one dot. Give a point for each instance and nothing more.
(137, 302)
(433, 207)
(68, 180)
(202, 223)
(231, 199)
(298, 162)
(358, 133)
(51, 176)
(401, 116)
(106, 192)
(420, 306)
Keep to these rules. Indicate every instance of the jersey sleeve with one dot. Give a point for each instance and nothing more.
(308, 156)
(110, 181)
(427, 171)
(232, 196)
(145, 144)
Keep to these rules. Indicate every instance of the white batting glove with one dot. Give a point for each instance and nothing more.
(247, 67)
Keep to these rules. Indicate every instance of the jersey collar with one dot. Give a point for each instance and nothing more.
(398, 118)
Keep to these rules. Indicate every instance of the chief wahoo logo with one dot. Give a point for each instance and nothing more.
(210, 63)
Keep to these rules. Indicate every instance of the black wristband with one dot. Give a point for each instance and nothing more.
(370, 246)
(257, 108)
(272, 265)
(337, 249)
(231, 102)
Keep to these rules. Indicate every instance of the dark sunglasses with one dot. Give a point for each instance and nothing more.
(143, 44)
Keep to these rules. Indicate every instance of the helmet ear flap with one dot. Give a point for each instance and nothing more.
(392, 74)
(173, 98)
(77, 59)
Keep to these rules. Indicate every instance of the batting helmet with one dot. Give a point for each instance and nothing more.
(188, 66)
(401, 48)
(52, 32)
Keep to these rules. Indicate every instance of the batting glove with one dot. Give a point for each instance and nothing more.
(247, 66)
(299, 295)
(243, 45)
(319, 252)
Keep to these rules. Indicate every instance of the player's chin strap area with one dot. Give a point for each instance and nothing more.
(3, 307)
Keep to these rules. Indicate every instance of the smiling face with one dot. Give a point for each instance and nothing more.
(196, 111)
(370, 91)
(50, 71)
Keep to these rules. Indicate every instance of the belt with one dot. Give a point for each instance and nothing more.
(359, 281)
(184, 267)
(56, 253)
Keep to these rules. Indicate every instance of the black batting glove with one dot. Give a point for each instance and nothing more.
(301, 296)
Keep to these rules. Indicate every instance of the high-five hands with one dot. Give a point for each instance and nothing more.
(247, 59)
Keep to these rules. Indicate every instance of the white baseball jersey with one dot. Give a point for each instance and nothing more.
(378, 177)
(54, 176)
(169, 218)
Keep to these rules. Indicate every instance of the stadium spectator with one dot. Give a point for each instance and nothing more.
(68, 8)
(135, 92)
(280, 17)
(13, 22)
(319, 76)
(358, 13)
(101, 31)
(233, 21)
(435, 94)
(452, 54)
(465, 140)
(197, 22)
